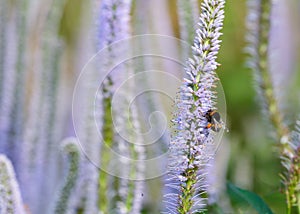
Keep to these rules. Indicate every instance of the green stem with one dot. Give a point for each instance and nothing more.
(188, 191)
(107, 133)
(131, 186)
(133, 120)
(289, 207)
(298, 203)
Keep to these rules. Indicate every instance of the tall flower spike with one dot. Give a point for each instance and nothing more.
(85, 194)
(191, 147)
(72, 150)
(113, 26)
(117, 194)
(10, 196)
(258, 24)
(259, 61)
(13, 77)
(43, 123)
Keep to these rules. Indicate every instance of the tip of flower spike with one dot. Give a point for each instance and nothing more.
(3, 159)
(70, 145)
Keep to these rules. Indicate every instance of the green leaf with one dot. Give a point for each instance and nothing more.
(250, 198)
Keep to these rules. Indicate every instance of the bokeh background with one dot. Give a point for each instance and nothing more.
(247, 156)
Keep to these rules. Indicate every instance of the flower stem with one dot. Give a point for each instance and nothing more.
(298, 200)
(107, 132)
(188, 191)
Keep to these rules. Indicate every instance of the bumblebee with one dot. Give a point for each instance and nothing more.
(214, 120)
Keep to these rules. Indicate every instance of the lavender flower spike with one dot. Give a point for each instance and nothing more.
(10, 196)
(190, 147)
(72, 150)
(290, 160)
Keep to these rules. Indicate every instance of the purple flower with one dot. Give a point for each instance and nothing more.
(192, 147)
